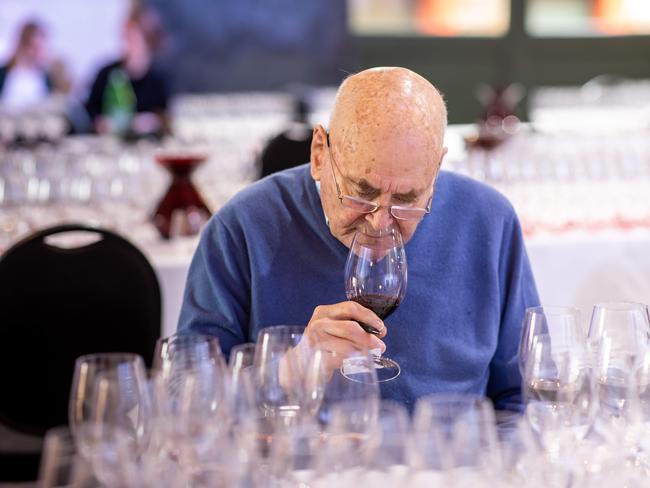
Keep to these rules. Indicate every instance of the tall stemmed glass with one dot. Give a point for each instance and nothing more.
(110, 414)
(619, 334)
(375, 277)
(562, 324)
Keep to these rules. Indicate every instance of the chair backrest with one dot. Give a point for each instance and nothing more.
(59, 303)
(284, 152)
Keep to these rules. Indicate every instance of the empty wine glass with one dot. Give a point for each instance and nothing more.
(242, 378)
(625, 324)
(182, 352)
(241, 356)
(89, 368)
(455, 436)
(386, 461)
(560, 375)
(118, 430)
(326, 387)
(617, 391)
(348, 435)
(280, 357)
(294, 456)
(278, 402)
(375, 277)
(560, 323)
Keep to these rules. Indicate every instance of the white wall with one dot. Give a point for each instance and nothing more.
(83, 33)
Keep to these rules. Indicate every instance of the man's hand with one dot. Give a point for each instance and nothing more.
(336, 330)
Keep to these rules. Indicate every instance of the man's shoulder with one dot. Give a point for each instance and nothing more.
(469, 194)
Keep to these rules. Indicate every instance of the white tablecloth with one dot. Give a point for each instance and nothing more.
(582, 269)
(578, 269)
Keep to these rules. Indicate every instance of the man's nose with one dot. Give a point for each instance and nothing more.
(380, 219)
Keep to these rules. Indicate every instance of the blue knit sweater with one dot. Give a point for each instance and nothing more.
(268, 258)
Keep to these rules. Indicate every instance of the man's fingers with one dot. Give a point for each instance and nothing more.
(351, 311)
(350, 331)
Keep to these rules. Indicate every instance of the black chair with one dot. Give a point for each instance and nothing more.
(58, 303)
(291, 147)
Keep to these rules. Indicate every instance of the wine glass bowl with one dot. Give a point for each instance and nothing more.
(562, 324)
(376, 277)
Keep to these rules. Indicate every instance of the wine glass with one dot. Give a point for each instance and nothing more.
(110, 414)
(89, 369)
(454, 436)
(387, 453)
(326, 387)
(625, 326)
(375, 277)
(561, 323)
(183, 352)
(559, 389)
(241, 379)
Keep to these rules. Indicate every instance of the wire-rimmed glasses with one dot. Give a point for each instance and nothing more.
(360, 205)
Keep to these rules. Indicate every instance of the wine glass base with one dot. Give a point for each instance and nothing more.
(386, 369)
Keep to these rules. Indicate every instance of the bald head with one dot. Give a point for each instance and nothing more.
(388, 101)
(385, 146)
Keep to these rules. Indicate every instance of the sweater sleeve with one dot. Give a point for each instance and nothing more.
(217, 292)
(518, 292)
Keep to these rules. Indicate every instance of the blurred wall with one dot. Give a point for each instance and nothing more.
(230, 45)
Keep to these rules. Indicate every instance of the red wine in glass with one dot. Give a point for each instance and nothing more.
(382, 305)
(375, 277)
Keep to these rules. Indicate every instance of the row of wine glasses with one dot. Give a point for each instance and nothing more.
(278, 413)
(567, 180)
(589, 385)
(103, 181)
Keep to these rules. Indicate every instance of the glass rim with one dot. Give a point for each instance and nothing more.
(553, 310)
(111, 356)
(186, 336)
(289, 329)
(620, 306)
(282, 326)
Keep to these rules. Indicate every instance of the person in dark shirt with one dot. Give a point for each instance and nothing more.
(143, 88)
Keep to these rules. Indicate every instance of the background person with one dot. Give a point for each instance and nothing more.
(130, 95)
(29, 76)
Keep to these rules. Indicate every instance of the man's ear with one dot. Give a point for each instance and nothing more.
(442, 156)
(318, 152)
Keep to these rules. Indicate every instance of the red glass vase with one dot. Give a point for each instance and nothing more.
(181, 211)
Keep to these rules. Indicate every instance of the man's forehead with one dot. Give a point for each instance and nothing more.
(394, 183)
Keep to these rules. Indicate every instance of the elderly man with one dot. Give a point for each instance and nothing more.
(275, 253)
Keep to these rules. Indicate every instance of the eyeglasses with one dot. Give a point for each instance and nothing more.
(400, 212)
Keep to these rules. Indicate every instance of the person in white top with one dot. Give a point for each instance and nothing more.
(28, 77)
